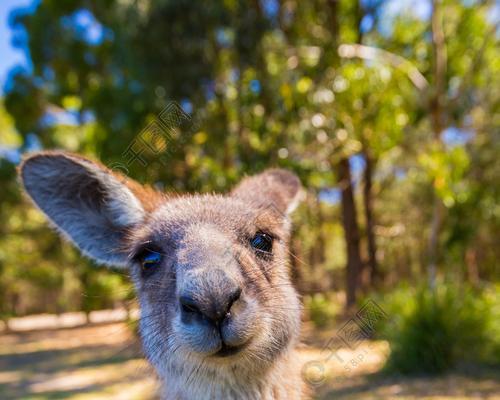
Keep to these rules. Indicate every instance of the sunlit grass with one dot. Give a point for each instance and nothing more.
(105, 362)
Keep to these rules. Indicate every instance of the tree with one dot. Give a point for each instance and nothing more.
(310, 86)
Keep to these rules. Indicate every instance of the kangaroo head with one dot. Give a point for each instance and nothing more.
(210, 271)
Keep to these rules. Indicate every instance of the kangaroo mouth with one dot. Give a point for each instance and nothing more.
(227, 351)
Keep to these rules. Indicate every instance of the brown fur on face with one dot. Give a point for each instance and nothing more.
(219, 316)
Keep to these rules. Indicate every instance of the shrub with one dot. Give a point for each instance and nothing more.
(322, 308)
(431, 331)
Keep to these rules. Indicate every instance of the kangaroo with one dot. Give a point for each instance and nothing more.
(219, 316)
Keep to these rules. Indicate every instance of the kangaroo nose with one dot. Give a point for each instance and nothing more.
(214, 308)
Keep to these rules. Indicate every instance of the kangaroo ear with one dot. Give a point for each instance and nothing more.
(88, 204)
(275, 188)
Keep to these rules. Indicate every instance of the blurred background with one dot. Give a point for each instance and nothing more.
(388, 110)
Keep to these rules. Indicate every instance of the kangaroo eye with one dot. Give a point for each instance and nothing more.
(262, 242)
(150, 261)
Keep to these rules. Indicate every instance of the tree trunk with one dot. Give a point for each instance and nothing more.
(349, 214)
(351, 231)
(438, 115)
(370, 222)
(319, 246)
(472, 266)
(434, 240)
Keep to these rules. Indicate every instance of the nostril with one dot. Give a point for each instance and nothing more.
(209, 307)
(233, 298)
(188, 305)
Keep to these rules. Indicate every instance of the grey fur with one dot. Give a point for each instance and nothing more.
(205, 243)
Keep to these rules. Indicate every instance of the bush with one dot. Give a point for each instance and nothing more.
(491, 311)
(322, 308)
(431, 331)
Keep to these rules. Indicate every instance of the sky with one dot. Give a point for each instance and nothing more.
(92, 32)
(83, 24)
(11, 56)
(88, 29)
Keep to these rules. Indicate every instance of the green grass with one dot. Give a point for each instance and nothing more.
(431, 332)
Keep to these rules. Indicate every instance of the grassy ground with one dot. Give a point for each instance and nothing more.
(104, 362)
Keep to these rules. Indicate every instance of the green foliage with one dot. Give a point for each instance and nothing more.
(432, 331)
(104, 290)
(266, 90)
(322, 308)
(447, 168)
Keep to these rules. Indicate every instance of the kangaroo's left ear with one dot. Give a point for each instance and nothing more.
(88, 204)
(276, 188)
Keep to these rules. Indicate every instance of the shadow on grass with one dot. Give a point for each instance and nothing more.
(22, 391)
(53, 361)
(469, 381)
(21, 372)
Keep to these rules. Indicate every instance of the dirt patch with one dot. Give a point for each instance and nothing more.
(105, 362)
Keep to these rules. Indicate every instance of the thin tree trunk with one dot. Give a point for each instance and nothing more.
(370, 221)
(320, 242)
(472, 267)
(349, 214)
(434, 241)
(438, 123)
(351, 231)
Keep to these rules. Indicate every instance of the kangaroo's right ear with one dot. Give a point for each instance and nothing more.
(88, 203)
